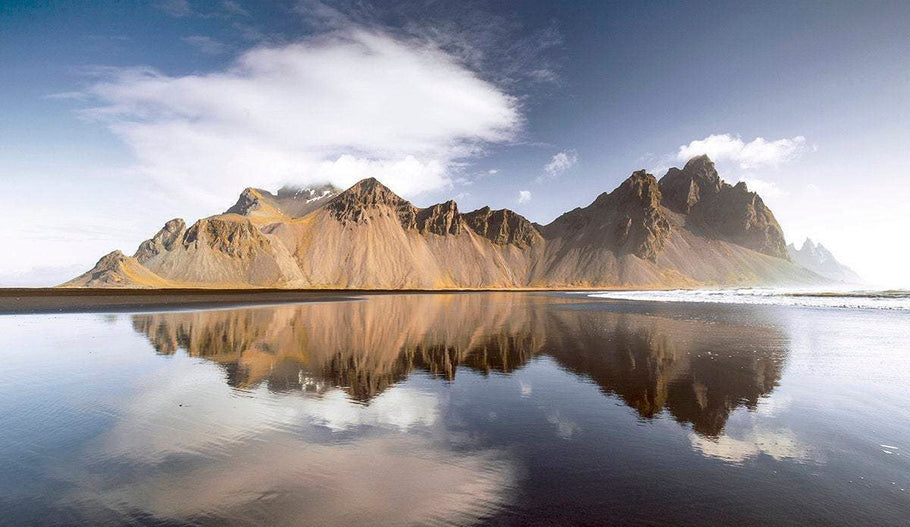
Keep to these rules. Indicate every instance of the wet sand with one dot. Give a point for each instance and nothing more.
(53, 300)
(82, 300)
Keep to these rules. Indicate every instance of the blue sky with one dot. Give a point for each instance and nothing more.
(117, 116)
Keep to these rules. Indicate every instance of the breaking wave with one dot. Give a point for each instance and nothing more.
(854, 299)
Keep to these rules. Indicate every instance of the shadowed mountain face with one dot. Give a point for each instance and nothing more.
(720, 210)
(652, 363)
(688, 229)
(629, 219)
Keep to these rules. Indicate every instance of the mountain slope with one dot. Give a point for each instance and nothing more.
(818, 259)
(688, 229)
(118, 270)
(368, 237)
(636, 236)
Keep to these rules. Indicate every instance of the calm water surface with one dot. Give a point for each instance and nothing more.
(490, 408)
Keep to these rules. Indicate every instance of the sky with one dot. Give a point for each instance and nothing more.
(118, 116)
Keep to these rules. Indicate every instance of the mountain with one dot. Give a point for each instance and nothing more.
(718, 210)
(118, 270)
(818, 259)
(688, 229)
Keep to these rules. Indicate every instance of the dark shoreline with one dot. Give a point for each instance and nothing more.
(52, 300)
(88, 300)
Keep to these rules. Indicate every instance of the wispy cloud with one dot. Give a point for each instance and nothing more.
(175, 8)
(498, 47)
(307, 112)
(235, 8)
(767, 189)
(67, 96)
(206, 45)
(757, 153)
(524, 196)
(558, 165)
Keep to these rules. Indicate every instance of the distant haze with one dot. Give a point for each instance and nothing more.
(117, 118)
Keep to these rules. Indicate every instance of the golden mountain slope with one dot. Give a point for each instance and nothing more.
(118, 270)
(701, 231)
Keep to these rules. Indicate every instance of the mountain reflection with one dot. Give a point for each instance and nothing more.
(699, 371)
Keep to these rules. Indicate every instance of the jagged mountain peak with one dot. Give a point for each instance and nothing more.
(628, 220)
(684, 189)
(441, 218)
(110, 259)
(371, 187)
(639, 186)
(721, 210)
(162, 241)
(311, 192)
(815, 251)
(502, 226)
(289, 201)
(808, 244)
(369, 192)
(702, 165)
(249, 200)
(817, 258)
(359, 202)
(115, 269)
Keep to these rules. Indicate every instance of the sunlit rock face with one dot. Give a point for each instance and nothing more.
(651, 363)
(688, 229)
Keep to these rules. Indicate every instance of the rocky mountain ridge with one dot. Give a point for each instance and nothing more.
(719, 209)
(818, 259)
(688, 229)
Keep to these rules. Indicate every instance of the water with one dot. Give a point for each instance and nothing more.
(487, 408)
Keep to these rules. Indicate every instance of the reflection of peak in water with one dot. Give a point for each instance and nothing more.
(699, 373)
(363, 346)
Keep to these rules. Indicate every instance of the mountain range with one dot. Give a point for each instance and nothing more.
(818, 259)
(688, 229)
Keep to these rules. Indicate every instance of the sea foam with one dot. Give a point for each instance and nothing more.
(843, 299)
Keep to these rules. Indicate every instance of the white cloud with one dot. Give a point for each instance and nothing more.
(259, 436)
(767, 189)
(409, 175)
(524, 196)
(558, 164)
(526, 388)
(754, 154)
(340, 106)
(401, 408)
(565, 428)
(754, 436)
(777, 444)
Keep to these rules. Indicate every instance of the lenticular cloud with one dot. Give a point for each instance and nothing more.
(333, 107)
(755, 154)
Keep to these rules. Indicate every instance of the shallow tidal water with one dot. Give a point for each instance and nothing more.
(480, 408)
